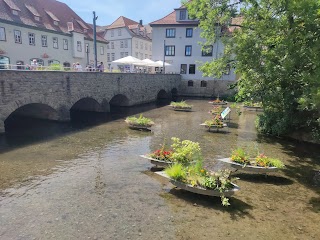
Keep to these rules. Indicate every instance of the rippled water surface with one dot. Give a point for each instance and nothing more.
(61, 182)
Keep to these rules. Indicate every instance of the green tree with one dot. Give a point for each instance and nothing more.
(274, 46)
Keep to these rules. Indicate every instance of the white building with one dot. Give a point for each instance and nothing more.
(127, 38)
(45, 30)
(180, 36)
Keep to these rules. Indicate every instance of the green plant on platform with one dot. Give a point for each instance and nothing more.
(185, 151)
(240, 156)
(196, 176)
(140, 121)
(180, 105)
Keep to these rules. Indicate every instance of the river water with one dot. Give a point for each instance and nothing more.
(59, 181)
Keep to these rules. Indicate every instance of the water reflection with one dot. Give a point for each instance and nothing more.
(85, 179)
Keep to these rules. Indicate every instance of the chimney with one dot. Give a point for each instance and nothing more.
(141, 22)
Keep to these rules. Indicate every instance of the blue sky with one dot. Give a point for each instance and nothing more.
(109, 10)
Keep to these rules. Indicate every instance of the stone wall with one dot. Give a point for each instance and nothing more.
(61, 90)
(214, 88)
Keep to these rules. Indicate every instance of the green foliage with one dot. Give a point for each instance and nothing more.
(55, 67)
(240, 156)
(176, 172)
(140, 121)
(185, 151)
(197, 176)
(274, 47)
(181, 105)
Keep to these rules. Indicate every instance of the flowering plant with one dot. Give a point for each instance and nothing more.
(197, 176)
(239, 156)
(264, 161)
(162, 154)
(180, 105)
(140, 121)
(216, 110)
(215, 122)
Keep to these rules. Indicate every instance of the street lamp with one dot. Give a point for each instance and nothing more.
(95, 39)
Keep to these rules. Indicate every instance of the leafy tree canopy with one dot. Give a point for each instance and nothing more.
(274, 45)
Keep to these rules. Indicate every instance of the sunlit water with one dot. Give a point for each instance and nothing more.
(61, 182)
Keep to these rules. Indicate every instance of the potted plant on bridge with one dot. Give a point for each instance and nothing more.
(139, 123)
(183, 152)
(260, 163)
(217, 101)
(194, 178)
(181, 106)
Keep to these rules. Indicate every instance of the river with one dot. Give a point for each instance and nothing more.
(62, 181)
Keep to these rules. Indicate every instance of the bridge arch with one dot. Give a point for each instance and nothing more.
(31, 110)
(162, 94)
(87, 104)
(119, 100)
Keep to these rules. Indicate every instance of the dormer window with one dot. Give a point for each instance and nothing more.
(53, 17)
(36, 18)
(15, 12)
(34, 12)
(56, 23)
(85, 30)
(14, 8)
(183, 15)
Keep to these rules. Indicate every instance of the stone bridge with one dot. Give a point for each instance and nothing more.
(51, 94)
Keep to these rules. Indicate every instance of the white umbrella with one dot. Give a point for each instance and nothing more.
(128, 60)
(148, 63)
(160, 64)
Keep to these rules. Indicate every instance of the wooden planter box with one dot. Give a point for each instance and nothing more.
(200, 190)
(214, 128)
(182, 109)
(218, 103)
(248, 168)
(139, 127)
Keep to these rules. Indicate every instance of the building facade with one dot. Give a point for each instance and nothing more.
(127, 38)
(45, 30)
(176, 40)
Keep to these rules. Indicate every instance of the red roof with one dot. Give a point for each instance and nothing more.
(122, 22)
(170, 19)
(48, 11)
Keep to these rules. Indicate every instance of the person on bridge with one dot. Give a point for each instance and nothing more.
(101, 67)
(78, 67)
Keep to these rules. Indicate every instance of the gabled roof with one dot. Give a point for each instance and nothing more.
(122, 22)
(49, 11)
(171, 19)
(135, 28)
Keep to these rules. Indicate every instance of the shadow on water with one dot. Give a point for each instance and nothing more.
(304, 159)
(238, 209)
(261, 178)
(22, 131)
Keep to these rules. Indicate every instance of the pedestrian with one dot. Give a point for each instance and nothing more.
(78, 67)
(101, 67)
(34, 64)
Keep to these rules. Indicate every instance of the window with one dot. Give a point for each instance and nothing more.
(108, 46)
(170, 32)
(31, 39)
(119, 32)
(55, 42)
(79, 47)
(150, 48)
(112, 56)
(112, 45)
(125, 43)
(65, 44)
(4, 62)
(207, 51)
(188, 50)
(121, 44)
(101, 50)
(17, 36)
(20, 65)
(145, 46)
(190, 83)
(141, 56)
(37, 18)
(121, 54)
(15, 12)
(112, 33)
(137, 45)
(56, 23)
(53, 62)
(170, 51)
(40, 62)
(141, 45)
(203, 84)
(87, 47)
(44, 41)
(192, 69)
(2, 34)
(146, 56)
(137, 55)
(126, 54)
(183, 15)
(189, 32)
(108, 57)
(183, 69)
